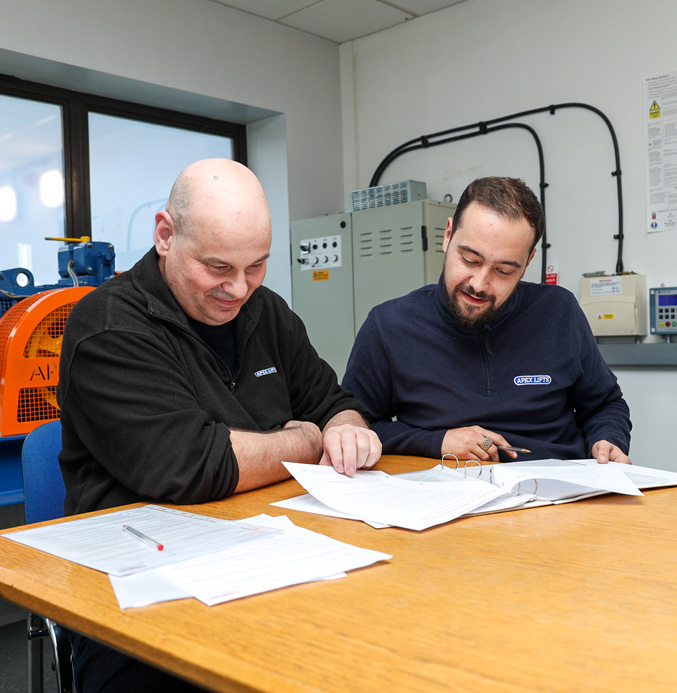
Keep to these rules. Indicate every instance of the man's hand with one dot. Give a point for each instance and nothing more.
(604, 452)
(348, 444)
(466, 443)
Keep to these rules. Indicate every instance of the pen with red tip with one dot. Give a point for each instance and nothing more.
(142, 537)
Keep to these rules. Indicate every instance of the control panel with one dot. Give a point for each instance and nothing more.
(663, 306)
(320, 253)
(615, 305)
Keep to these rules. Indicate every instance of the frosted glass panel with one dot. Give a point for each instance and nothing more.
(132, 167)
(31, 186)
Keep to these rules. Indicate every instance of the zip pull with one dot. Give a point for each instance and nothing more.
(486, 329)
(232, 386)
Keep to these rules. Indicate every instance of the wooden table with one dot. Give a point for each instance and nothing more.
(576, 597)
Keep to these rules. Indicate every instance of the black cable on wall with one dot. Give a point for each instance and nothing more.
(484, 127)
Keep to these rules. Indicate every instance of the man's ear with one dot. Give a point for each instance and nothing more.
(447, 234)
(531, 257)
(164, 233)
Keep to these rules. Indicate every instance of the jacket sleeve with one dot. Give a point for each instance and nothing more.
(601, 412)
(134, 410)
(314, 389)
(369, 376)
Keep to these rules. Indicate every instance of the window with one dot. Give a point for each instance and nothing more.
(132, 166)
(32, 201)
(74, 165)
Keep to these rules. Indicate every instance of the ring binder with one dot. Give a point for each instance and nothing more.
(458, 464)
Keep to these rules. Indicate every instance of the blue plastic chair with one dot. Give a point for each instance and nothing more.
(44, 494)
(44, 490)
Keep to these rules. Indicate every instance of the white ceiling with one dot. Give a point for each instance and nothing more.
(339, 20)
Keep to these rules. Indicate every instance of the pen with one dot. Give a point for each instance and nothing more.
(509, 448)
(142, 537)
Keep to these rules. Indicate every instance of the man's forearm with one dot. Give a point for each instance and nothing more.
(259, 455)
(348, 416)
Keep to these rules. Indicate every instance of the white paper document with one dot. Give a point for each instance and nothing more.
(379, 497)
(561, 479)
(297, 555)
(290, 556)
(380, 502)
(101, 543)
(212, 559)
(309, 504)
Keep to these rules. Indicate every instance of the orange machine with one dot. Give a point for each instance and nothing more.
(30, 346)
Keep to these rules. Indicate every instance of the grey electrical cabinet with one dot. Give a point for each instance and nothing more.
(345, 264)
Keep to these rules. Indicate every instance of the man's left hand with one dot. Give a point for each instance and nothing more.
(604, 451)
(349, 447)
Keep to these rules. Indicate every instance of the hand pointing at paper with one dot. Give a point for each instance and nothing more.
(604, 451)
(348, 444)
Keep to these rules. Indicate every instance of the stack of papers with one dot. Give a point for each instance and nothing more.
(204, 557)
(417, 500)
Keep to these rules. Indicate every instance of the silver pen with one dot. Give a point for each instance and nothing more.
(143, 537)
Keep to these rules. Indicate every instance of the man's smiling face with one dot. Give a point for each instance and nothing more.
(485, 259)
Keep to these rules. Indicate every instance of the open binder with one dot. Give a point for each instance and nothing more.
(425, 498)
(550, 482)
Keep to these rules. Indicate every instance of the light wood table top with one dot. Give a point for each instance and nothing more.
(575, 597)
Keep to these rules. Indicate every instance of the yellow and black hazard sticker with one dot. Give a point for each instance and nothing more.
(654, 110)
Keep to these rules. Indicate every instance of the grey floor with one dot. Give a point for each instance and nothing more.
(14, 660)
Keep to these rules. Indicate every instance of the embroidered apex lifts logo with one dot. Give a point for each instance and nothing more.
(532, 380)
(266, 371)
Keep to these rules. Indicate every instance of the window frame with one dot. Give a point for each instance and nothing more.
(76, 107)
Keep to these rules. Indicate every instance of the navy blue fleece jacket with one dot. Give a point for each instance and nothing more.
(534, 374)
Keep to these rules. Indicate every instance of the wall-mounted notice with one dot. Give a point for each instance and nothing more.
(660, 99)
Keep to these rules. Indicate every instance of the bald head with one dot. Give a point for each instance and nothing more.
(213, 239)
(217, 188)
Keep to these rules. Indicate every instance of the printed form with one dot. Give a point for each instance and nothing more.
(208, 558)
(377, 497)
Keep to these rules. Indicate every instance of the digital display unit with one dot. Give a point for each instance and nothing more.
(663, 310)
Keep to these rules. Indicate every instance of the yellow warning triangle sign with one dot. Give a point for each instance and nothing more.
(654, 110)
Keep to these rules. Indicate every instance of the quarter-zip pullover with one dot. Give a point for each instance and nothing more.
(534, 374)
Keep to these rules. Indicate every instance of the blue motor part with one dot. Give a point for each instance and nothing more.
(91, 263)
(80, 264)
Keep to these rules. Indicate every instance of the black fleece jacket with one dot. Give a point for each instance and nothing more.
(147, 406)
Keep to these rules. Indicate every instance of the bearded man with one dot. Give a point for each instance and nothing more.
(483, 360)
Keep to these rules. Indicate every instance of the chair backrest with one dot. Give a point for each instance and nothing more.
(44, 490)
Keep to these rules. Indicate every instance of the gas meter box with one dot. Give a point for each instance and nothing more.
(615, 305)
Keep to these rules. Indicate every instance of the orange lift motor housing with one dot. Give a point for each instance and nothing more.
(31, 333)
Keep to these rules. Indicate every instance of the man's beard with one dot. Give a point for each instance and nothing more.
(471, 317)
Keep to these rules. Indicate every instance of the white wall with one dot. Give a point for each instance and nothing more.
(202, 57)
(488, 58)
(474, 61)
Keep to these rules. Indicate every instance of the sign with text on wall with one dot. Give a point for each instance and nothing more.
(552, 272)
(660, 114)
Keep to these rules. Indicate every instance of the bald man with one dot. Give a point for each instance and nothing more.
(185, 380)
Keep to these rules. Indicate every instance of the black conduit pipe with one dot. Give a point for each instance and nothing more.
(484, 131)
(483, 127)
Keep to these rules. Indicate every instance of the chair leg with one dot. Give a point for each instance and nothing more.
(63, 656)
(36, 631)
